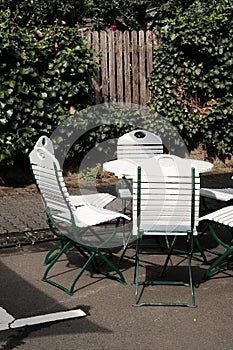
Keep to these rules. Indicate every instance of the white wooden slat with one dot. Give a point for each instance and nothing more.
(96, 199)
(222, 216)
(165, 178)
(156, 208)
(134, 146)
(55, 200)
(37, 169)
(153, 191)
(50, 188)
(136, 149)
(222, 194)
(167, 230)
(136, 156)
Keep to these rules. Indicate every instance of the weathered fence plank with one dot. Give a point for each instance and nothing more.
(119, 75)
(135, 68)
(112, 65)
(122, 65)
(96, 72)
(127, 68)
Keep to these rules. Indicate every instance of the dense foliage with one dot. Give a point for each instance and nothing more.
(42, 74)
(45, 66)
(130, 14)
(191, 83)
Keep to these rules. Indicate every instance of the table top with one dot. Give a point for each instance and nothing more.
(128, 167)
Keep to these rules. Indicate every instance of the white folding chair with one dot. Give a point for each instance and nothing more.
(165, 203)
(73, 226)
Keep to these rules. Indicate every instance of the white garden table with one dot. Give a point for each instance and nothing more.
(128, 167)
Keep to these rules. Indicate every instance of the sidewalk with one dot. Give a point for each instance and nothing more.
(21, 210)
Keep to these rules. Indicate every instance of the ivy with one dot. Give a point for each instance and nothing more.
(191, 83)
(40, 79)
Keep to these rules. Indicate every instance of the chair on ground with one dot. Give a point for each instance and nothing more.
(221, 220)
(73, 226)
(165, 203)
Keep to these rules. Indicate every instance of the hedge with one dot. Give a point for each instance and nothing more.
(42, 73)
(191, 83)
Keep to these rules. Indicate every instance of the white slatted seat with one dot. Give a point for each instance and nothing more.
(73, 226)
(220, 194)
(165, 202)
(217, 220)
(100, 200)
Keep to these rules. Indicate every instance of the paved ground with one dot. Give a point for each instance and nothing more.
(111, 321)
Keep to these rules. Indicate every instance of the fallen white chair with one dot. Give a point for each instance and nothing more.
(73, 226)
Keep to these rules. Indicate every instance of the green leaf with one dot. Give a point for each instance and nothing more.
(10, 112)
(39, 104)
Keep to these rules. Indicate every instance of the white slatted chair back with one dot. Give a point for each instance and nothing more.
(138, 144)
(167, 199)
(49, 178)
(97, 199)
(58, 204)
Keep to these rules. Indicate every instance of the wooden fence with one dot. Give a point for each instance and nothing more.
(123, 64)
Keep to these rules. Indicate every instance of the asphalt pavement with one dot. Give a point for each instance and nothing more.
(111, 320)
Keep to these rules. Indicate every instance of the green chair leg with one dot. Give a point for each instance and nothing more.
(157, 282)
(221, 263)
